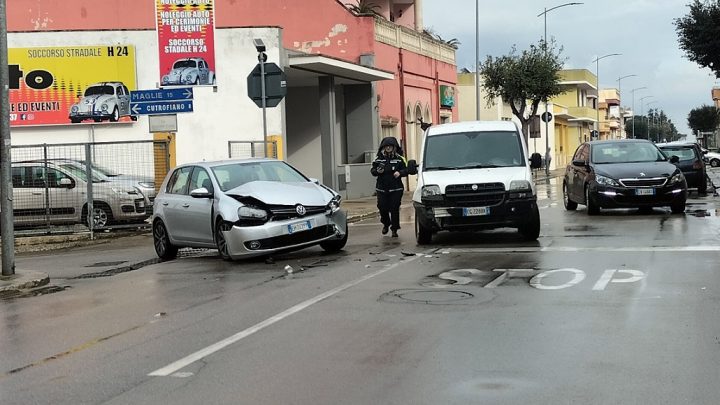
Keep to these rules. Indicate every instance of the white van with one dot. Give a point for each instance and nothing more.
(472, 176)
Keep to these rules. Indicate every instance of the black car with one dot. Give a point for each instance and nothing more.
(690, 162)
(626, 173)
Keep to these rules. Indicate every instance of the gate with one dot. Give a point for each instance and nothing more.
(250, 149)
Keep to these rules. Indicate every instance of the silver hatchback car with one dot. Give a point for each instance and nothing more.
(245, 208)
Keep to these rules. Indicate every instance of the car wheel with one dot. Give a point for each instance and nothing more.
(161, 240)
(530, 230)
(423, 234)
(335, 245)
(115, 115)
(678, 208)
(101, 215)
(222, 246)
(715, 162)
(592, 207)
(569, 204)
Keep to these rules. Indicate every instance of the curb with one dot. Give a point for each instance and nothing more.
(23, 280)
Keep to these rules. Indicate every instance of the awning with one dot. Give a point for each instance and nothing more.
(303, 70)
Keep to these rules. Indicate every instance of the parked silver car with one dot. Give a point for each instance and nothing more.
(244, 208)
(46, 192)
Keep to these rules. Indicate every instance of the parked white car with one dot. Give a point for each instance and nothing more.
(244, 208)
(712, 158)
(189, 71)
(102, 101)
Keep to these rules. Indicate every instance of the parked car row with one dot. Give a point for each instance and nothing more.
(53, 193)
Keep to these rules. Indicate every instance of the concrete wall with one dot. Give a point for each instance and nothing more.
(303, 131)
(220, 115)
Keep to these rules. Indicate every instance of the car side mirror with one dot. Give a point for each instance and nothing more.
(201, 192)
(66, 183)
(674, 159)
(412, 167)
(579, 163)
(535, 161)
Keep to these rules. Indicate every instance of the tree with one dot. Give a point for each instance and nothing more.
(530, 77)
(704, 119)
(656, 124)
(363, 7)
(699, 34)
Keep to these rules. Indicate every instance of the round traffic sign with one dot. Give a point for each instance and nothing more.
(546, 117)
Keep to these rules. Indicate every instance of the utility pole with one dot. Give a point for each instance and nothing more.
(6, 191)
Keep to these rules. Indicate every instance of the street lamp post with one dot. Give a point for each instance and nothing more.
(622, 116)
(6, 188)
(477, 60)
(633, 107)
(642, 101)
(597, 77)
(547, 133)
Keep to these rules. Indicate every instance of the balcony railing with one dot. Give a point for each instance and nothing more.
(404, 38)
(583, 113)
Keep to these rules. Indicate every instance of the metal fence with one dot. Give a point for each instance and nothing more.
(82, 187)
(250, 149)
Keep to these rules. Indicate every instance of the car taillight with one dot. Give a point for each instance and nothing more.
(698, 164)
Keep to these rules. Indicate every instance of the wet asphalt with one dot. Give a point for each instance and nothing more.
(616, 308)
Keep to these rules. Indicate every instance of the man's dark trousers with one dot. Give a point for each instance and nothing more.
(389, 206)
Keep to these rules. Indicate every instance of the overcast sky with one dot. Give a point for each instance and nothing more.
(641, 30)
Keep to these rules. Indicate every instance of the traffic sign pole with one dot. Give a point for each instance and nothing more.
(261, 59)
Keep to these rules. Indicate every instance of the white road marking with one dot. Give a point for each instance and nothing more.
(200, 354)
(578, 276)
(607, 277)
(532, 249)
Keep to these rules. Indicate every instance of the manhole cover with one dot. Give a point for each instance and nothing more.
(434, 296)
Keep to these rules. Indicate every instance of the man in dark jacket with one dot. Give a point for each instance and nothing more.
(389, 167)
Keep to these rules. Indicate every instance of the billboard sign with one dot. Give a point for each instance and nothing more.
(186, 42)
(70, 84)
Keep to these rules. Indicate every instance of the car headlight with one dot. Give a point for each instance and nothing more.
(188, 79)
(520, 185)
(74, 109)
(520, 189)
(119, 190)
(104, 107)
(431, 191)
(334, 204)
(605, 181)
(677, 178)
(146, 184)
(165, 79)
(252, 213)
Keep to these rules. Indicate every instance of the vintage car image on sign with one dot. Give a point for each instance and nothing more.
(189, 71)
(102, 101)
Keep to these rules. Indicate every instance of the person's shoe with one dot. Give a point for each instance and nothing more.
(394, 234)
(384, 230)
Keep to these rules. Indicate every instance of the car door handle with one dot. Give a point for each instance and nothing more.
(185, 205)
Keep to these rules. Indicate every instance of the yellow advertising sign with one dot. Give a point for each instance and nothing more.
(71, 84)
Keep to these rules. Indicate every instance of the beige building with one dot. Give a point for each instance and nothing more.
(611, 119)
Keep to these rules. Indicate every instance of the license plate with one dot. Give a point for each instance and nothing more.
(476, 211)
(644, 191)
(299, 227)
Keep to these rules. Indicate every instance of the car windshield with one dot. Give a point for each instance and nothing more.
(236, 174)
(184, 64)
(99, 90)
(679, 151)
(82, 174)
(626, 152)
(473, 150)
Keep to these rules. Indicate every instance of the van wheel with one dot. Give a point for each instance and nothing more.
(569, 204)
(161, 240)
(423, 234)
(531, 229)
(101, 215)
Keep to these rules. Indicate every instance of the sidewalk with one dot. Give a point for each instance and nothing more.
(70, 249)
